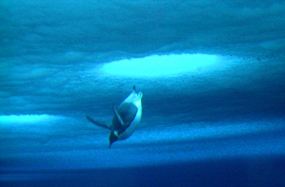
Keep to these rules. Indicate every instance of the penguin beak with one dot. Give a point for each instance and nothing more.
(111, 144)
(112, 138)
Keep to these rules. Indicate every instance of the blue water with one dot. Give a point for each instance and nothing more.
(215, 118)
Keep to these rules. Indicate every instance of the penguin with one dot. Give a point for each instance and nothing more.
(126, 117)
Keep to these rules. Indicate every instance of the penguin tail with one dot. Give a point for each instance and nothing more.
(100, 124)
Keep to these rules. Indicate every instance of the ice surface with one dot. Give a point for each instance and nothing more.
(230, 118)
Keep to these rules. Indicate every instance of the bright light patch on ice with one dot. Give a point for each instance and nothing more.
(162, 66)
(27, 119)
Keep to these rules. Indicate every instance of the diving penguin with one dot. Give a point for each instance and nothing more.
(126, 117)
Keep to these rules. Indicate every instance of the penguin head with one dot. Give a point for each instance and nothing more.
(134, 98)
(112, 138)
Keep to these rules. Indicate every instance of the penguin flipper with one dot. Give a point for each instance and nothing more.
(118, 116)
(100, 124)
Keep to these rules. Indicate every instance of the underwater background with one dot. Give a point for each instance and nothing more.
(212, 75)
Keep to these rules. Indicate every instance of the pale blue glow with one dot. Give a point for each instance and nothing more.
(161, 66)
(27, 119)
